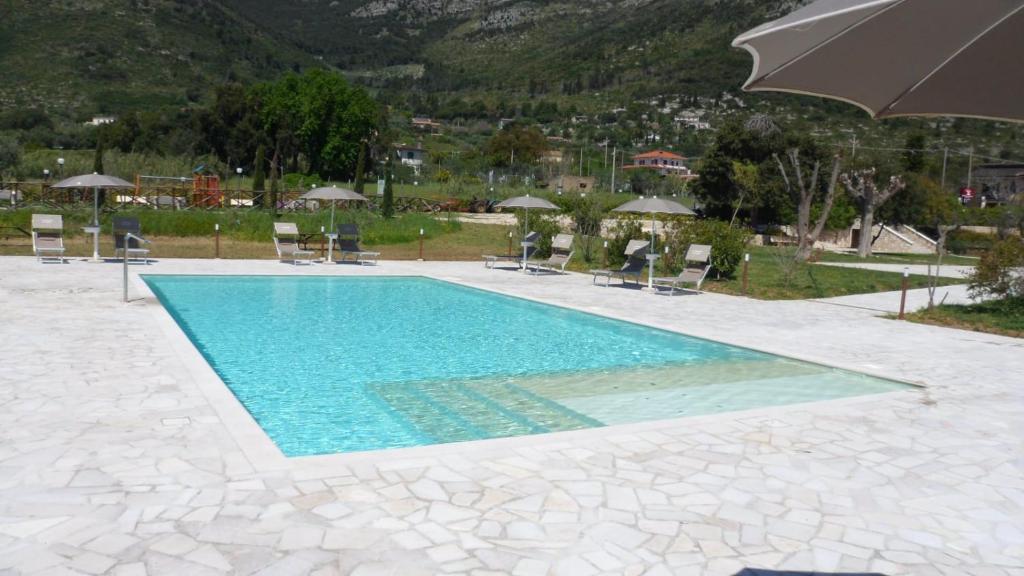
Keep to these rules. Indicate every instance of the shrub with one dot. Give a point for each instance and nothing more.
(727, 244)
(546, 225)
(626, 229)
(1000, 272)
(969, 242)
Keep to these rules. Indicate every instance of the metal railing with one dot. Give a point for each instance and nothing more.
(129, 236)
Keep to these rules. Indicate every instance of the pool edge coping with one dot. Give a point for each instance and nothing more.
(264, 455)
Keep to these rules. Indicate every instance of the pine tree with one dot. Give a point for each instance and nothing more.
(360, 168)
(387, 207)
(97, 160)
(258, 175)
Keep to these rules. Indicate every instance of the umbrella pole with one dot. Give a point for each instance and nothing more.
(652, 259)
(96, 225)
(526, 230)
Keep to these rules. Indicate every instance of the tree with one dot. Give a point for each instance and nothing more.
(804, 193)
(10, 154)
(913, 157)
(97, 159)
(258, 175)
(360, 168)
(274, 173)
(744, 176)
(861, 186)
(526, 143)
(997, 273)
(387, 206)
(322, 116)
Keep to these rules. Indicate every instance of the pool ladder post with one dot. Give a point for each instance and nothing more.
(127, 237)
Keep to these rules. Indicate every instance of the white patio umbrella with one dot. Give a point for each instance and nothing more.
(332, 194)
(652, 206)
(527, 202)
(96, 182)
(897, 57)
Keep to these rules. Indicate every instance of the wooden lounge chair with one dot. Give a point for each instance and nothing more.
(48, 237)
(491, 259)
(636, 261)
(561, 254)
(286, 241)
(697, 265)
(124, 225)
(348, 245)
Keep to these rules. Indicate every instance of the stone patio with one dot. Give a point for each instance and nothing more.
(120, 453)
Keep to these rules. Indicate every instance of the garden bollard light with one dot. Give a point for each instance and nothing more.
(421, 245)
(322, 230)
(604, 255)
(746, 264)
(903, 293)
(509, 243)
(216, 241)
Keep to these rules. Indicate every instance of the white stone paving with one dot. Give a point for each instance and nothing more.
(119, 455)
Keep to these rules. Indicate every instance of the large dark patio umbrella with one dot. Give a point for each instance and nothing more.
(652, 206)
(527, 202)
(897, 57)
(96, 182)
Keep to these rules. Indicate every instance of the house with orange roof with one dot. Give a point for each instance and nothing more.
(664, 162)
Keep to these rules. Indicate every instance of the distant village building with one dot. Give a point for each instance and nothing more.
(427, 125)
(101, 120)
(996, 184)
(578, 184)
(665, 163)
(691, 120)
(551, 157)
(502, 122)
(414, 156)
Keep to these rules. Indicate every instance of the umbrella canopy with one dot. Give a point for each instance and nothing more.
(334, 193)
(96, 182)
(897, 57)
(93, 181)
(527, 202)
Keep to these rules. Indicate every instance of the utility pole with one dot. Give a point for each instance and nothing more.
(605, 165)
(581, 162)
(970, 166)
(945, 159)
(853, 147)
(615, 152)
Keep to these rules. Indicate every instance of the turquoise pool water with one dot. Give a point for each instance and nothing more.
(328, 364)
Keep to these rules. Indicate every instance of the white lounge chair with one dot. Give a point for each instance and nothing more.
(124, 225)
(48, 237)
(636, 261)
(286, 242)
(696, 267)
(348, 245)
(561, 254)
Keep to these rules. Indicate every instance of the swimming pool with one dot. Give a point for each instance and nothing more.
(332, 364)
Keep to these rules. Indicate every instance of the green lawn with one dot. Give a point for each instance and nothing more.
(950, 259)
(1004, 317)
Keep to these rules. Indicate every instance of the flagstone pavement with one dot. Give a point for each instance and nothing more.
(116, 456)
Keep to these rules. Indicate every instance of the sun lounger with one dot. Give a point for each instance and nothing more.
(124, 225)
(561, 254)
(491, 259)
(286, 241)
(48, 237)
(348, 245)
(697, 265)
(636, 253)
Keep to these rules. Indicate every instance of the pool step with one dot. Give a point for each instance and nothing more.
(454, 411)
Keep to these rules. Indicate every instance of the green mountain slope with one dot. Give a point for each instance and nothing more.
(96, 56)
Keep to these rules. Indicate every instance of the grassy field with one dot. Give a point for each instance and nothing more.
(774, 276)
(771, 276)
(1004, 317)
(949, 259)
